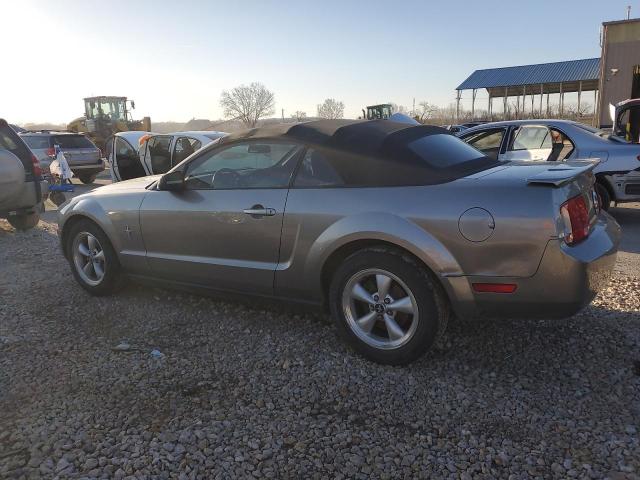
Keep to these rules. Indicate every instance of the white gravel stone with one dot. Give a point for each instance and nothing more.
(255, 391)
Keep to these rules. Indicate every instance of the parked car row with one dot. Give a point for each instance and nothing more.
(390, 226)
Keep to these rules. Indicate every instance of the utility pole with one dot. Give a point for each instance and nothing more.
(283, 115)
(413, 112)
(628, 12)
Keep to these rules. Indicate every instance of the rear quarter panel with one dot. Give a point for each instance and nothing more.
(422, 220)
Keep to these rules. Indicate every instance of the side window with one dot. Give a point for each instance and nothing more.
(109, 148)
(531, 137)
(160, 154)
(561, 146)
(125, 154)
(316, 170)
(243, 165)
(487, 141)
(184, 147)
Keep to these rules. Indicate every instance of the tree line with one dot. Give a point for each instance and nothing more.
(250, 103)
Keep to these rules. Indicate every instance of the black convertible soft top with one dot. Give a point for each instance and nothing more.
(365, 137)
(381, 152)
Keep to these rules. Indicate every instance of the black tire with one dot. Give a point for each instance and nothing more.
(603, 194)
(58, 198)
(87, 179)
(25, 221)
(432, 305)
(113, 279)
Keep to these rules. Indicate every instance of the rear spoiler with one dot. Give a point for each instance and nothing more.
(563, 173)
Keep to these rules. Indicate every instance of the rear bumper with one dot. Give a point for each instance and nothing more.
(567, 279)
(88, 169)
(626, 187)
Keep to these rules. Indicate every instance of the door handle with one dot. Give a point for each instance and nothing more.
(260, 211)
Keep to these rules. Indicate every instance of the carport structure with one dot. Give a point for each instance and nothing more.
(533, 80)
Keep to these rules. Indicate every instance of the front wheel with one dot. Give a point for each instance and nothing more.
(387, 306)
(25, 221)
(87, 179)
(93, 260)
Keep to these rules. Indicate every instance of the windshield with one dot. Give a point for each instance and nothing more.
(36, 142)
(73, 141)
(112, 108)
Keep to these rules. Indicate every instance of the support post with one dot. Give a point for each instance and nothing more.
(541, 96)
(596, 120)
(489, 109)
(504, 103)
(458, 106)
(548, 114)
(532, 99)
(524, 100)
(579, 95)
(473, 104)
(561, 100)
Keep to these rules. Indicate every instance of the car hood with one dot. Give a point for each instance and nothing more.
(139, 184)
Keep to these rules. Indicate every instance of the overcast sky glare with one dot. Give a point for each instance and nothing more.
(175, 58)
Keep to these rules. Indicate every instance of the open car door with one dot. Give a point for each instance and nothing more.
(626, 119)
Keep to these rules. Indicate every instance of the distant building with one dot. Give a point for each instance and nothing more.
(619, 65)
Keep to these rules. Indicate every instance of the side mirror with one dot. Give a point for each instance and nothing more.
(172, 181)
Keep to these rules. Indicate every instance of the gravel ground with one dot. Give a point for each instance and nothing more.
(241, 391)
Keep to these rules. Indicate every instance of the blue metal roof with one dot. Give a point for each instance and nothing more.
(571, 71)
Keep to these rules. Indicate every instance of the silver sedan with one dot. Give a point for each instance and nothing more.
(393, 228)
(617, 175)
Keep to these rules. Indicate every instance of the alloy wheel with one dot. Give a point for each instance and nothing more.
(380, 309)
(88, 257)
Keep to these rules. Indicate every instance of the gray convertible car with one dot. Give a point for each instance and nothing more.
(392, 227)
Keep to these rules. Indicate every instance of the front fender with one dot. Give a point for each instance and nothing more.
(117, 214)
(88, 208)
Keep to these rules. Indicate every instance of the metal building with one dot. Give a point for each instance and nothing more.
(534, 81)
(620, 66)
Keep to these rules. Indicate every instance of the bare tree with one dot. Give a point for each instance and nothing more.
(425, 111)
(248, 103)
(331, 108)
(299, 116)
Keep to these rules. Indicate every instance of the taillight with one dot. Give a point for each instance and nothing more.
(575, 216)
(51, 152)
(37, 170)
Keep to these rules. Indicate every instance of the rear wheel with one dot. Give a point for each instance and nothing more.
(603, 195)
(387, 307)
(24, 221)
(87, 179)
(93, 260)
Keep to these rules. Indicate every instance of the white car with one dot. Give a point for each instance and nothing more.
(137, 154)
(617, 174)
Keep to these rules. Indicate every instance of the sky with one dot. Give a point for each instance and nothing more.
(175, 58)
